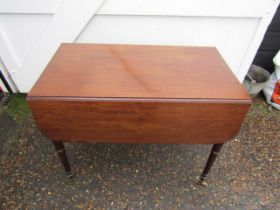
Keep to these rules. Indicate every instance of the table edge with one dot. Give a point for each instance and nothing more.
(131, 99)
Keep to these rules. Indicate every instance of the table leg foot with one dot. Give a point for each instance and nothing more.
(70, 174)
(202, 183)
(63, 157)
(211, 159)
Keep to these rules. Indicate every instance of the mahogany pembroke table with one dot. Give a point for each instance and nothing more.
(138, 94)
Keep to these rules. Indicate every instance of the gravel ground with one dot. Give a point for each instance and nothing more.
(122, 176)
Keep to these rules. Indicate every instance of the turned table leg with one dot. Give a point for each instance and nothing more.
(63, 157)
(212, 157)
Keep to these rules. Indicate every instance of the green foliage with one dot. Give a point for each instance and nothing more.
(261, 108)
(18, 108)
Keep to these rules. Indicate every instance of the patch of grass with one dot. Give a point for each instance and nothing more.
(18, 108)
(260, 108)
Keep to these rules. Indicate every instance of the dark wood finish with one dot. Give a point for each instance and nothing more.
(129, 71)
(212, 157)
(63, 157)
(138, 94)
(138, 120)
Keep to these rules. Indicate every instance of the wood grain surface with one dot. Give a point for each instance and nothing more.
(90, 70)
(138, 121)
(138, 94)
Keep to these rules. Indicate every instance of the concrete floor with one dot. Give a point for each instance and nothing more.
(122, 176)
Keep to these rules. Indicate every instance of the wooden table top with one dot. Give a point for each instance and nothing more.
(137, 71)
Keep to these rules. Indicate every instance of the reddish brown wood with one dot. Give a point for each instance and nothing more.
(138, 121)
(211, 159)
(125, 71)
(138, 94)
(59, 147)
